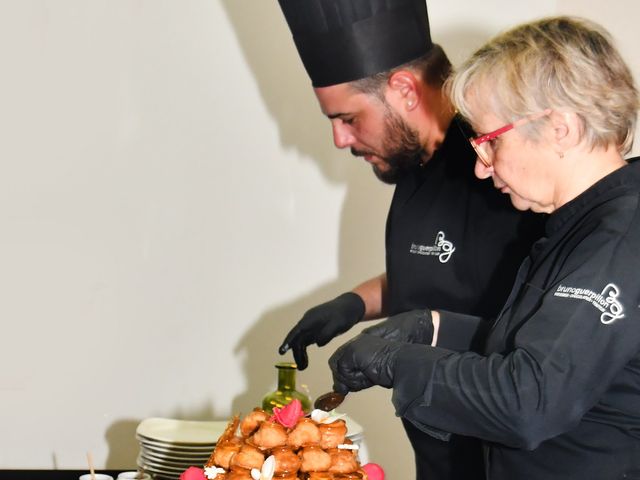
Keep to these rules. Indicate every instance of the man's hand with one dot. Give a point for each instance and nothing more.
(321, 324)
(364, 361)
(415, 326)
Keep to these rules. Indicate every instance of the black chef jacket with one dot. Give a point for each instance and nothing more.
(453, 242)
(556, 392)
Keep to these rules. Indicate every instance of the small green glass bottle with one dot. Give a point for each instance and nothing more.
(286, 390)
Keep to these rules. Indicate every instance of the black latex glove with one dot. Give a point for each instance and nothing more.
(321, 324)
(364, 361)
(414, 326)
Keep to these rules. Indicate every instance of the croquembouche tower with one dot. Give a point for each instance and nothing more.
(285, 445)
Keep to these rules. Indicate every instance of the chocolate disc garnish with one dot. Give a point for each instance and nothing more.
(329, 401)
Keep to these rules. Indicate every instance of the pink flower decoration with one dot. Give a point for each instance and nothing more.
(288, 415)
(193, 473)
(373, 471)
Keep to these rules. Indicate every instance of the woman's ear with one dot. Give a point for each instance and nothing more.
(404, 90)
(567, 129)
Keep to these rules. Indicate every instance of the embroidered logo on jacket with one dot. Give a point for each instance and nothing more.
(441, 248)
(606, 301)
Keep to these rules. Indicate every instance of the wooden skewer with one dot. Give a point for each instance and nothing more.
(91, 469)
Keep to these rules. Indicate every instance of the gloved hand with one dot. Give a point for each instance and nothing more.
(414, 326)
(321, 324)
(362, 362)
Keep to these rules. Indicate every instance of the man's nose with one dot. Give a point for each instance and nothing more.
(342, 137)
(481, 170)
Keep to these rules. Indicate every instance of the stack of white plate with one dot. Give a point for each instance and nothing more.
(168, 446)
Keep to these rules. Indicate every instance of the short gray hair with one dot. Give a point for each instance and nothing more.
(555, 63)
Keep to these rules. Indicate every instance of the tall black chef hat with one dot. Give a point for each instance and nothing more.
(345, 40)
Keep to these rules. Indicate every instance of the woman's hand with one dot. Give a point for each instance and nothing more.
(415, 326)
(364, 361)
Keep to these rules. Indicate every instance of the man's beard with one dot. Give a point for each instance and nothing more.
(401, 149)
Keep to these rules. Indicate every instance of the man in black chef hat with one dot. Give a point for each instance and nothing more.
(453, 242)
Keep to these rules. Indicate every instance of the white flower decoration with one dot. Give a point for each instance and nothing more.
(320, 416)
(268, 468)
(212, 472)
(348, 446)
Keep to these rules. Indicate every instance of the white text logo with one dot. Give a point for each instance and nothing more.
(441, 248)
(606, 301)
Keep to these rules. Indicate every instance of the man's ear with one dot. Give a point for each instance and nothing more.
(404, 90)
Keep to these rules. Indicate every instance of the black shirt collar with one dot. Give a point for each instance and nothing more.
(626, 178)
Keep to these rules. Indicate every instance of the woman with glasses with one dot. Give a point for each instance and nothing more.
(553, 386)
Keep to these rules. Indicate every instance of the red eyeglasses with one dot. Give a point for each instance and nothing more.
(481, 146)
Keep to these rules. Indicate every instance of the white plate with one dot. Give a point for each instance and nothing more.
(173, 470)
(186, 432)
(353, 428)
(174, 447)
(160, 474)
(173, 455)
(154, 470)
(175, 460)
(170, 468)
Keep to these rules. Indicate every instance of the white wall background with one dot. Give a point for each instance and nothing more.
(170, 203)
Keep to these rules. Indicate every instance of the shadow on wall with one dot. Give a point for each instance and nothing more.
(123, 446)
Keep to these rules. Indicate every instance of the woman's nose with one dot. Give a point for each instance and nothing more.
(481, 170)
